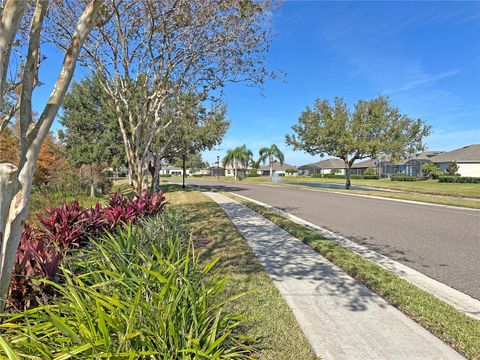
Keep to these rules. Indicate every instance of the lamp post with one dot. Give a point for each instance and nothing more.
(218, 167)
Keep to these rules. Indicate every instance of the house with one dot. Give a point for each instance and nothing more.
(413, 166)
(279, 169)
(323, 167)
(467, 159)
(172, 170)
(360, 167)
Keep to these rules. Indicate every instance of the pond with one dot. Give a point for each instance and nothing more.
(334, 186)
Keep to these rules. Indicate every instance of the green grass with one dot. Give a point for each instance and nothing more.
(267, 316)
(430, 191)
(453, 327)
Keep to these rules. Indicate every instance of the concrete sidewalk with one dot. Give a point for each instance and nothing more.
(341, 318)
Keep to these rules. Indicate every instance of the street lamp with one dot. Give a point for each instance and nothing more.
(218, 167)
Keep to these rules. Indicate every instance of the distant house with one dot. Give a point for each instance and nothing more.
(360, 167)
(323, 167)
(413, 166)
(171, 170)
(467, 159)
(216, 170)
(279, 169)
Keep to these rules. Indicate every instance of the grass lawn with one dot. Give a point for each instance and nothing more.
(465, 195)
(268, 319)
(454, 328)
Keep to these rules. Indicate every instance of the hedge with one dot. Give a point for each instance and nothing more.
(353, 176)
(459, 179)
(403, 178)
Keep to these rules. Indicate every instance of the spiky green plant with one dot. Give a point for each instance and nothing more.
(139, 294)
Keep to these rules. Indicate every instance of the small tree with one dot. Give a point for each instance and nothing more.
(374, 128)
(290, 171)
(452, 169)
(238, 158)
(334, 171)
(271, 154)
(370, 171)
(431, 170)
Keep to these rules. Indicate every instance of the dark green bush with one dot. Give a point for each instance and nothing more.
(353, 176)
(403, 178)
(165, 175)
(197, 175)
(459, 179)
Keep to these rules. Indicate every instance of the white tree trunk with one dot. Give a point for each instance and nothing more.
(16, 182)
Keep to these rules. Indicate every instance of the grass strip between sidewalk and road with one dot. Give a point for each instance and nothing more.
(450, 325)
(267, 317)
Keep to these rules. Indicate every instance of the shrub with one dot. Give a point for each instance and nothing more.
(459, 179)
(62, 229)
(160, 303)
(370, 171)
(333, 171)
(197, 175)
(253, 173)
(452, 169)
(328, 176)
(431, 170)
(403, 178)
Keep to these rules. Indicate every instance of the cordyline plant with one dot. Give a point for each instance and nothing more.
(42, 248)
(25, 20)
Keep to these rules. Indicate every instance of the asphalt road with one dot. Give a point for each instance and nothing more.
(440, 242)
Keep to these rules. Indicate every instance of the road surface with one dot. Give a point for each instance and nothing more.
(442, 243)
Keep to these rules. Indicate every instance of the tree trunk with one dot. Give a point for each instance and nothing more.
(347, 176)
(92, 190)
(183, 172)
(156, 172)
(271, 169)
(16, 182)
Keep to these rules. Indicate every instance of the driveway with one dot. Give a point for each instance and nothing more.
(440, 242)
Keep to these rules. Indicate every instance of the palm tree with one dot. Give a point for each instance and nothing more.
(240, 156)
(271, 153)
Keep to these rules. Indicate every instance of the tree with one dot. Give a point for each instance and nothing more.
(452, 169)
(151, 52)
(16, 178)
(375, 128)
(370, 171)
(196, 130)
(290, 171)
(51, 162)
(238, 158)
(92, 135)
(431, 170)
(271, 153)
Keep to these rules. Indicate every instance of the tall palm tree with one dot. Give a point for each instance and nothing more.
(238, 157)
(272, 153)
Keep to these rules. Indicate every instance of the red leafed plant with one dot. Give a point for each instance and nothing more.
(42, 248)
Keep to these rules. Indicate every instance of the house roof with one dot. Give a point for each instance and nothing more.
(469, 153)
(364, 164)
(277, 167)
(426, 155)
(325, 164)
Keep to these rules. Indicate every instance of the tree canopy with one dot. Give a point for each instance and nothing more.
(373, 129)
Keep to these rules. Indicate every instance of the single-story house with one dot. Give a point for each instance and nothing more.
(323, 167)
(172, 170)
(279, 169)
(216, 170)
(360, 167)
(467, 159)
(413, 166)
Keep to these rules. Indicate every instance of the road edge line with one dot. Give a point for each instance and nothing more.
(457, 299)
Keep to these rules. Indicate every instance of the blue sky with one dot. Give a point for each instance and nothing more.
(424, 55)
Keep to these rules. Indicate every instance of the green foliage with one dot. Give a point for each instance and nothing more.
(92, 134)
(403, 177)
(139, 294)
(353, 176)
(272, 153)
(452, 169)
(253, 173)
(238, 157)
(374, 128)
(290, 171)
(459, 179)
(370, 171)
(431, 170)
(334, 171)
